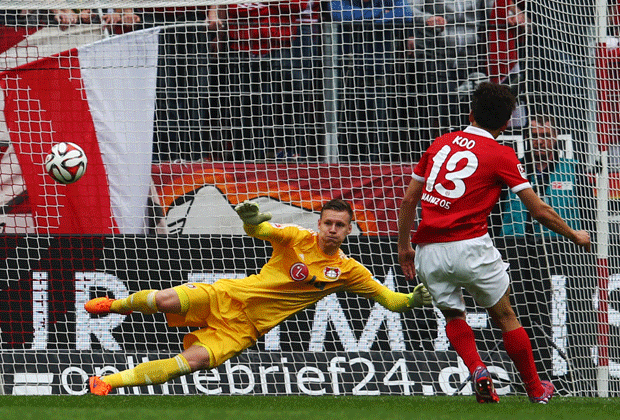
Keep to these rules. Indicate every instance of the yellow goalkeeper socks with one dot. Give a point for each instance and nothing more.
(150, 373)
(142, 301)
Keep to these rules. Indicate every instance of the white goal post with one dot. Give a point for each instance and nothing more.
(182, 116)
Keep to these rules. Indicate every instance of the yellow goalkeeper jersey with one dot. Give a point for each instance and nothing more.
(297, 275)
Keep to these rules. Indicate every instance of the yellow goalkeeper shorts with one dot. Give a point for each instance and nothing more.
(224, 327)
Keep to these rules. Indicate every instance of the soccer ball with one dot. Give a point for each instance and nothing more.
(66, 162)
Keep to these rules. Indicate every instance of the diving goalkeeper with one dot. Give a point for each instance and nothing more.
(232, 314)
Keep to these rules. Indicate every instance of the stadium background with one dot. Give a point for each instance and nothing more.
(49, 345)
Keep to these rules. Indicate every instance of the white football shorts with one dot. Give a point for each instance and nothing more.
(473, 264)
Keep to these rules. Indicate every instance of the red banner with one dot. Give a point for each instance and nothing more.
(608, 91)
(374, 191)
(199, 198)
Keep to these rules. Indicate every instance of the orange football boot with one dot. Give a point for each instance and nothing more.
(101, 305)
(98, 387)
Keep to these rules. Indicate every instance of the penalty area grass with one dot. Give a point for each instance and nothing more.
(300, 407)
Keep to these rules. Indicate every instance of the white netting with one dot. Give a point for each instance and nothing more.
(182, 116)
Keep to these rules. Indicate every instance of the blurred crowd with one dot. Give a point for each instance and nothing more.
(378, 79)
(346, 81)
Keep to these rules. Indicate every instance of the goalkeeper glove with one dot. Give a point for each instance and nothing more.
(250, 214)
(419, 297)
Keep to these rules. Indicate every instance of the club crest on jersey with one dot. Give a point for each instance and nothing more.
(299, 271)
(331, 273)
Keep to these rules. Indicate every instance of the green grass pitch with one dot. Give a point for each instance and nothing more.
(90, 407)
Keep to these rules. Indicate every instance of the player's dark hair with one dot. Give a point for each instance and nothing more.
(492, 105)
(337, 204)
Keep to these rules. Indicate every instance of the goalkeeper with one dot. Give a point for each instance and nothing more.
(232, 314)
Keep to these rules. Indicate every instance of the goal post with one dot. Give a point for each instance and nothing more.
(183, 116)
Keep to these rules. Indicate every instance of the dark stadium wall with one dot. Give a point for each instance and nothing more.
(46, 334)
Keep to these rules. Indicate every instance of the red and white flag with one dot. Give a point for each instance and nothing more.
(102, 97)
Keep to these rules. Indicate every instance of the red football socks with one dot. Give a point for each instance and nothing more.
(462, 338)
(519, 348)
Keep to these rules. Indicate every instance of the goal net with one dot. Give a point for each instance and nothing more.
(185, 109)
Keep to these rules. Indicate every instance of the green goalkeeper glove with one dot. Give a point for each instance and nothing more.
(250, 214)
(419, 297)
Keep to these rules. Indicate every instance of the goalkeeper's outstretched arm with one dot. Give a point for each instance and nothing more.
(252, 217)
(400, 302)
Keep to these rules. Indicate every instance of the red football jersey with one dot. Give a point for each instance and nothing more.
(463, 174)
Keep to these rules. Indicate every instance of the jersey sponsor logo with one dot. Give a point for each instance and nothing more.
(331, 273)
(299, 271)
(562, 185)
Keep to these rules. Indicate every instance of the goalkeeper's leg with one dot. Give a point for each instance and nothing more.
(155, 372)
(172, 300)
